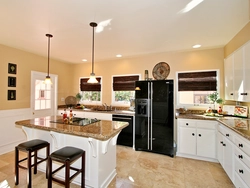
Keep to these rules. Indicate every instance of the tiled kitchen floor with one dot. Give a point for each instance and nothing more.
(138, 169)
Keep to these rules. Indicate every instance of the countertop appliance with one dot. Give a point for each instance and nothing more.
(125, 137)
(154, 116)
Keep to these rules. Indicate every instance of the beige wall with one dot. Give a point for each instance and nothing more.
(27, 62)
(178, 61)
(241, 38)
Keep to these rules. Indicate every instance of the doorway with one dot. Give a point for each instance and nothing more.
(43, 96)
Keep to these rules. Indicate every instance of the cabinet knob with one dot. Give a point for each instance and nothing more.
(240, 171)
(193, 134)
(240, 156)
(231, 94)
(241, 145)
(224, 144)
(227, 135)
(186, 124)
(199, 135)
(221, 142)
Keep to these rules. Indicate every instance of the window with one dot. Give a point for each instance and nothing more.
(124, 89)
(194, 87)
(42, 95)
(90, 92)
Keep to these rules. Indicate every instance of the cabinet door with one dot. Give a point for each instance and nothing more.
(246, 72)
(206, 143)
(228, 157)
(220, 148)
(101, 116)
(229, 78)
(187, 140)
(238, 74)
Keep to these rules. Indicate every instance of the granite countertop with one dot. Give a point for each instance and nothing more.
(237, 124)
(101, 130)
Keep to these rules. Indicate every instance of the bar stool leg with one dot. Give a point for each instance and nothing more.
(16, 166)
(49, 171)
(29, 173)
(67, 167)
(83, 171)
(35, 162)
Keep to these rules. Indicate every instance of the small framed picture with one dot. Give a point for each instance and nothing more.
(11, 94)
(11, 81)
(12, 68)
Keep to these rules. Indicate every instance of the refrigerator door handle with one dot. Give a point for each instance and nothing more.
(151, 115)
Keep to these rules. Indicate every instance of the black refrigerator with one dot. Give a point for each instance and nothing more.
(154, 116)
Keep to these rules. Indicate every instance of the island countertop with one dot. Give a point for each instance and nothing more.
(101, 130)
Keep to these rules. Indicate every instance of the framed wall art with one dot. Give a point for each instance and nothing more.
(12, 68)
(11, 94)
(11, 81)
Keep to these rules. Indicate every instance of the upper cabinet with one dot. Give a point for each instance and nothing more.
(237, 67)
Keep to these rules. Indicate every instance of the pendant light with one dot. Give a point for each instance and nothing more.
(92, 78)
(47, 79)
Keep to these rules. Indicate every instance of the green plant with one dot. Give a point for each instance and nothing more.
(214, 98)
(78, 96)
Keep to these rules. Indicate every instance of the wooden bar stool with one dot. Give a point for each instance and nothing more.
(66, 155)
(31, 148)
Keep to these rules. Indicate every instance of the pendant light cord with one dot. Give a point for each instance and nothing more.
(49, 36)
(93, 47)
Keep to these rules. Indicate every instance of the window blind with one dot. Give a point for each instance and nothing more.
(124, 83)
(84, 86)
(197, 81)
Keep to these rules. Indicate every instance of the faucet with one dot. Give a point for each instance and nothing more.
(105, 106)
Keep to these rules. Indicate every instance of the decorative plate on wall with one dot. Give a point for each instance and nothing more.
(161, 71)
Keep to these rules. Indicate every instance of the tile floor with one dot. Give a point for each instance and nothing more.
(138, 169)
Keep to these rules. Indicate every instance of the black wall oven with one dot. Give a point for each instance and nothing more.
(125, 137)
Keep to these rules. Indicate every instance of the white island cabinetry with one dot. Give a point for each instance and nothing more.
(197, 139)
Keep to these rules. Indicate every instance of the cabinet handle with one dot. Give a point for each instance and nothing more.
(231, 94)
(193, 134)
(240, 171)
(186, 124)
(240, 156)
(227, 135)
(221, 142)
(224, 144)
(199, 135)
(243, 93)
(241, 145)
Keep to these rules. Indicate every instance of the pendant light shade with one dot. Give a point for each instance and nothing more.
(47, 79)
(92, 78)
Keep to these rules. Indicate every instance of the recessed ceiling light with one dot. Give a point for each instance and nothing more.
(84, 60)
(197, 46)
(118, 55)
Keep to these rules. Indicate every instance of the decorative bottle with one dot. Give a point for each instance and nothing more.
(71, 117)
(64, 115)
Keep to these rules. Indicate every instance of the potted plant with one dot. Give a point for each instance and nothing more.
(78, 98)
(214, 98)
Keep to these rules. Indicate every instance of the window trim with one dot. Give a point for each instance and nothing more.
(91, 102)
(113, 102)
(181, 105)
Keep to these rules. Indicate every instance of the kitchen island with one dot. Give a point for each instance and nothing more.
(98, 139)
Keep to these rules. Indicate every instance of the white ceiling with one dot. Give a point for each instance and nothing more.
(136, 27)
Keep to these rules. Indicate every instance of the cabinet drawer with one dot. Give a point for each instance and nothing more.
(242, 171)
(205, 124)
(238, 182)
(242, 157)
(242, 145)
(227, 133)
(187, 123)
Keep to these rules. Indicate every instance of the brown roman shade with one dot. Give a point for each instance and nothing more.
(124, 83)
(197, 81)
(84, 86)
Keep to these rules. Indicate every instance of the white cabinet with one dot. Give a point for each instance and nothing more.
(229, 77)
(197, 139)
(237, 67)
(225, 147)
(98, 115)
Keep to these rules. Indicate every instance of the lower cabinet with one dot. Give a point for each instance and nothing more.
(197, 139)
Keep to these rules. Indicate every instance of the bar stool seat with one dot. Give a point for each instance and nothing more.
(66, 155)
(30, 147)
